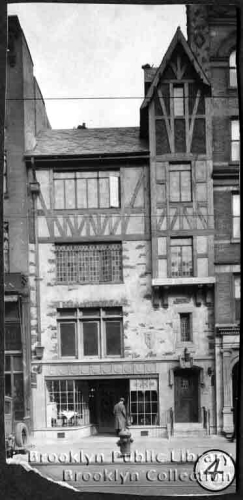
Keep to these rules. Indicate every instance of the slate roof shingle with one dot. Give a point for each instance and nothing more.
(98, 141)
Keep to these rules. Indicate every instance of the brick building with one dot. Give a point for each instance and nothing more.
(212, 36)
(23, 120)
(131, 252)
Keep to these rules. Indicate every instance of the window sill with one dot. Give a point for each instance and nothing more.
(235, 240)
(86, 210)
(183, 281)
(187, 343)
(80, 283)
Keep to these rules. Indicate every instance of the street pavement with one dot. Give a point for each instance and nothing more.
(156, 466)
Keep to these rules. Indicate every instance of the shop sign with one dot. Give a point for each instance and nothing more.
(146, 384)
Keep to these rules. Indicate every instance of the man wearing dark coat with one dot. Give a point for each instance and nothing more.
(120, 416)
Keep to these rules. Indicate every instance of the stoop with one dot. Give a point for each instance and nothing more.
(190, 429)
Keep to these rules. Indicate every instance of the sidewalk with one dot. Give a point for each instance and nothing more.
(176, 449)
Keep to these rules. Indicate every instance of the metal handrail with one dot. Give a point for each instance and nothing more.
(171, 417)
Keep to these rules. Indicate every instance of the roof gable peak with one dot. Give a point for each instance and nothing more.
(178, 38)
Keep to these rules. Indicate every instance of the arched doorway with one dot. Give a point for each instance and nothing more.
(186, 395)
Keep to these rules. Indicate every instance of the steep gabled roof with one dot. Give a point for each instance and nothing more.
(178, 38)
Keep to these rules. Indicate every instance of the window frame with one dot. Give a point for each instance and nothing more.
(143, 414)
(175, 100)
(67, 321)
(234, 140)
(83, 315)
(232, 70)
(86, 176)
(104, 337)
(173, 239)
(12, 372)
(15, 321)
(235, 216)
(79, 406)
(236, 276)
(189, 315)
(109, 259)
(180, 168)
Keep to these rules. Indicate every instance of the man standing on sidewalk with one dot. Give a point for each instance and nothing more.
(120, 416)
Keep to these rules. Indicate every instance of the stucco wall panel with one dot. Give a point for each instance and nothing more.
(148, 332)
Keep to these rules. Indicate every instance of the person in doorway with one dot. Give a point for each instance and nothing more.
(120, 416)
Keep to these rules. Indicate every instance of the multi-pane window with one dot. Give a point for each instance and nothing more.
(237, 295)
(12, 326)
(235, 140)
(236, 215)
(14, 386)
(181, 257)
(99, 189)
(89, 263)
(180, 183)
(6, 247)
(90, 332)
(232, 69)
(67, 403)
(185, 327)
(178, 100)
(144, 401)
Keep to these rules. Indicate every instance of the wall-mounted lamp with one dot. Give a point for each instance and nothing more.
(39, 349)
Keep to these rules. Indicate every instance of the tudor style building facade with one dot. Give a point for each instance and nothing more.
(130, 253)
(122, 264)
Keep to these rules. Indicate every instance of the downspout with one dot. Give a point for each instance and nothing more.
(35, 192)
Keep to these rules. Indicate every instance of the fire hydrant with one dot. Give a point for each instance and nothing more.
(125, 442)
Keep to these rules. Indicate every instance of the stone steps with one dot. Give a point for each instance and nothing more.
(193, 429)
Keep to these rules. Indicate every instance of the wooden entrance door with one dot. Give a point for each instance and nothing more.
(186, 396)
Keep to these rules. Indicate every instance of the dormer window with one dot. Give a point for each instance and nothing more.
(178, 99)
(232, 69)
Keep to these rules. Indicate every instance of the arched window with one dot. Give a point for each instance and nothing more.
(232, 69)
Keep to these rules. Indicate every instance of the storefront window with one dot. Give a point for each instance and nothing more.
(144, 402)
(67, 403)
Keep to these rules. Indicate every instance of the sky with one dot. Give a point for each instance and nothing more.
(95, 51)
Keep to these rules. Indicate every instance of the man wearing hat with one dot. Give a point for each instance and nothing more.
(120, 416)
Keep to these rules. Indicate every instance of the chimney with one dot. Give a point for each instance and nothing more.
(82, 126)
(149, 72)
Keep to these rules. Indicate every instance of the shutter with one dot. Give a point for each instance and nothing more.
(114, 191)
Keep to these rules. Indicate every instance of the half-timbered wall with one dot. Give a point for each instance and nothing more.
(180, 142)
(147, 331)
(84, 218)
